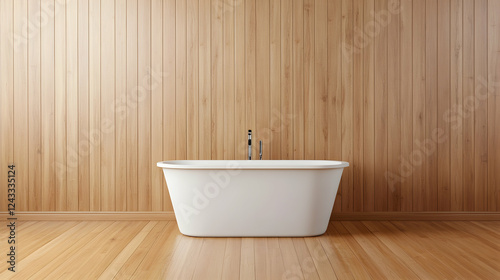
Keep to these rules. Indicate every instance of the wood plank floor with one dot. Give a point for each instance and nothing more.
(348, 250)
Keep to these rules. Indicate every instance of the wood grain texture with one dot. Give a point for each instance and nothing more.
(347, 103)
(144, 194)
(468, 149)
(348, 250)
(120, 106)
(493, 106)
(72, 107)
(405, 167)
(108, 98)
(405, 90)
(61, 99)
(84, 145)
(131, 107)
(456, 58)
(157, 184)
(444, 98)
(20, 105)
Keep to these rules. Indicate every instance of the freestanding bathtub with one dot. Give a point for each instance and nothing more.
(252, 197)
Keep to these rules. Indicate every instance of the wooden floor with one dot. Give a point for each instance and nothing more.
(349, 250)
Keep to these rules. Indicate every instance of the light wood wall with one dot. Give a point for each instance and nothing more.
(94, 93)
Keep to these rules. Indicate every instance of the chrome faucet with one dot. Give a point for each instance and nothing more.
(260, 150)
(249, 144)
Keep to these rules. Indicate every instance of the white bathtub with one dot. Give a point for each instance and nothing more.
(252, 197)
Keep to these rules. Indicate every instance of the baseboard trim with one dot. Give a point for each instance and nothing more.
(94, 216)
(170, 216)
(417, 216)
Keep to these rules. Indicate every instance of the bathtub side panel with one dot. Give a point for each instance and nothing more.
(253, 202)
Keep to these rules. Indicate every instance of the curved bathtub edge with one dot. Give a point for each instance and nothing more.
(256, 164)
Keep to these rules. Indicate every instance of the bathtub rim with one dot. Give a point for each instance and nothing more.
(252, 164)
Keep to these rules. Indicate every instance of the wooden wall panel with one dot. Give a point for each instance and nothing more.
(156, 104)
(406, 98)
(444, 97)
(72, 101)
(131, 107)
(493, 105)
(47, 103)
(108, 98)
(456, 187)
(81, 155)
(94, 93)
(368, 106)
(20, 105)
(120, 104)
(286, 82)
(144, 105)
(61, 135)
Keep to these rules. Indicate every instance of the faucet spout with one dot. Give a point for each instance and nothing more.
(260, 150)
(249, 144)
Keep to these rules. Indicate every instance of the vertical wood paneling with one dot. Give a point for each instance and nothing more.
(20, 105)
(34, 112)
(444, 97)
(468, 104)
(262, 96)
(84, 144)
(61, 80)
(205, 88)
(321, 79)
(368, 107)
(240, 80)
(217, 80)
(286, 82)
(72, 95)
(156, 104)
(180, 79)
(358, 105)
(481, 104)
(229, 126)
(144, 104)
(380, 44)
(47, 87)
(393, 106)
(250, 64)
(95, 103)
(347, 103)
(298, 81)
(108, 120)
(7, 93)
(192, 80)
(274, 148)
(456, 15)
(493, 105)
(429, 146)
(309, 79)
(405, 168)
(334, 87)
(131, 106)
(168, 79)
(95, 93)
(120, 104)
(62, 167)
(417, 157)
